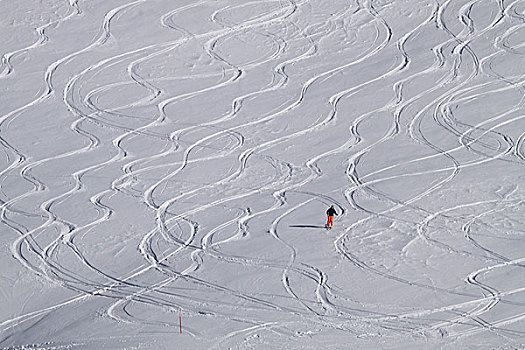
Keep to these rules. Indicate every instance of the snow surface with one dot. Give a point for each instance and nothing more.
(160, 157)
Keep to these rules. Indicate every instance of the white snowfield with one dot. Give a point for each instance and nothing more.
(163, 156)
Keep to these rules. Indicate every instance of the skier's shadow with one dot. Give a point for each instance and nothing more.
(305, 226)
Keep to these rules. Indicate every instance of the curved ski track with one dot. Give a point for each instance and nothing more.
(201, 144)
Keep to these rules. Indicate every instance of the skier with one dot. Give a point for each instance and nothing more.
(330, 212)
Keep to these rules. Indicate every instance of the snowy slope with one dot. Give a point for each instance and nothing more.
(162, 156)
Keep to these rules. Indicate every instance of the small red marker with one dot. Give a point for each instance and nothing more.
(180, 321)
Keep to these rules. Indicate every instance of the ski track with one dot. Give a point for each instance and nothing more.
(177, 249)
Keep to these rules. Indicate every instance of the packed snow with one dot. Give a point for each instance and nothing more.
(166, 167)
